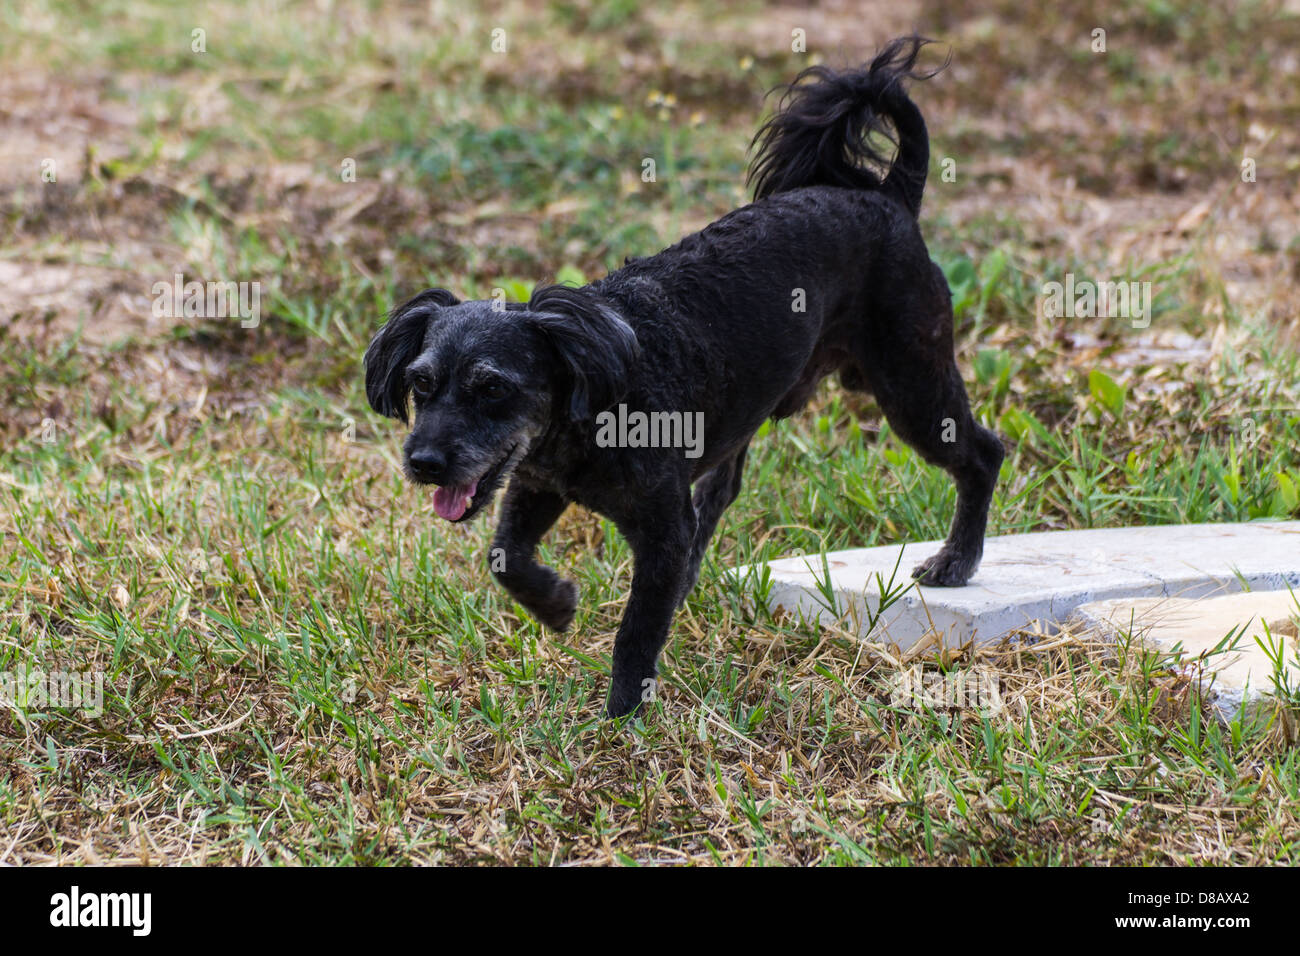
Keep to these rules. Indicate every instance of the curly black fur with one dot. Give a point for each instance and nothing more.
(711, 327)
(823, 134)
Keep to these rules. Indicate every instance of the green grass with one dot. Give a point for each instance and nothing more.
(302, 665)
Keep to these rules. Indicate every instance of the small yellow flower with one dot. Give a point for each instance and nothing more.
(746, 62)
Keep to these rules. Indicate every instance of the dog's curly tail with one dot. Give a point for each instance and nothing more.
(821, 134)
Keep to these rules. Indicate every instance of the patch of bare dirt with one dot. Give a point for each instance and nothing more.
(69, 261)
(1130, 157)
(51, 127)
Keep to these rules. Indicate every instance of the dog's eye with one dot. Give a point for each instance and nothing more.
(421, 384)
(495, 388)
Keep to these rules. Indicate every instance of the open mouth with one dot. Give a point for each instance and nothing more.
(461, 502)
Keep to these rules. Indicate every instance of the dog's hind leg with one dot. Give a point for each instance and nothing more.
(714, 493)
(940, 427)
(526, 515)
(914, 376)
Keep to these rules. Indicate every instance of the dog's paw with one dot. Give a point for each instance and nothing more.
(619, 705)
(947, 569)
(629, 696)
(557, 612)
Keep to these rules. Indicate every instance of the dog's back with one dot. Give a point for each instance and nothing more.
(777, 294)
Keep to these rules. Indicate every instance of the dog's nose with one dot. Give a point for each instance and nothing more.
(429, 465)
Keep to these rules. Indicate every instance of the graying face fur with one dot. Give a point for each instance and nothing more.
(481, 386)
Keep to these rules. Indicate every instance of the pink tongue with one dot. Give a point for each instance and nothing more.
(449, 501)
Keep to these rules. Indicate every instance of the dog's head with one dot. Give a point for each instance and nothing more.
(488, 381)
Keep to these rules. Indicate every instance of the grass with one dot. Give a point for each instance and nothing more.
(301, 665)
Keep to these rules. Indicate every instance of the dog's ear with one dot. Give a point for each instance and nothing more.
(395, 346)
(595, 343)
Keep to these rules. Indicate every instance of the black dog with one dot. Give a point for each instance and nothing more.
(826, 271)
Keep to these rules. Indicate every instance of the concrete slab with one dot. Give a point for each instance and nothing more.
(1031, 581)
(1240, 674)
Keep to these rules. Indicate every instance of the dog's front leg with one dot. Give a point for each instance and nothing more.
(527, 515)
(661, 549)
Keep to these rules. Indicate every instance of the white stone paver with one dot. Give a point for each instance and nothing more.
(1036, 581)
(1255, 624)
